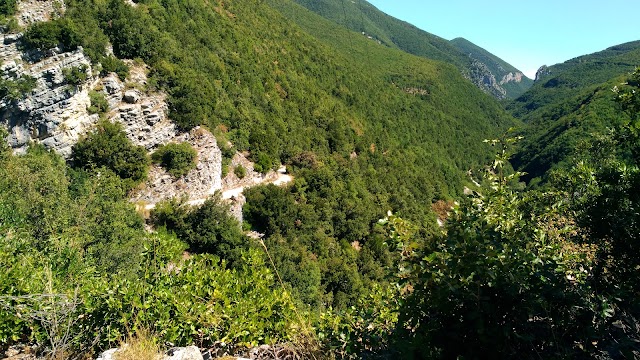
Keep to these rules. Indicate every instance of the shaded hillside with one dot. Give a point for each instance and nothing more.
(568, 104)
(512, 80)
(481, 67)
(554, 84)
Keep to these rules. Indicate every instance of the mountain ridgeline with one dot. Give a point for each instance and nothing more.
(485, 70)
(569, 104)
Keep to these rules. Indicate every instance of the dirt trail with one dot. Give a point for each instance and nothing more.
(278, 178)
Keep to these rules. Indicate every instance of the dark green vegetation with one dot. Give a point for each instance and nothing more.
(208, 228)
(99, 104)
(367, 21)
(75, 75)
(498, 67)
(360, 16)
(47, 35)
(8, 7)
(108, 147)
(177, 159)
(568, 104)
(363, 128)
(11, 90)
(113, 64)
(76, 260)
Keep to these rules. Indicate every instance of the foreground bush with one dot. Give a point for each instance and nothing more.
(208, 228)
(108, 146)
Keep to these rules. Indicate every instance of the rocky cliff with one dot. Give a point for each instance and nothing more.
(492, 74)
(482, 77)
(55, 114)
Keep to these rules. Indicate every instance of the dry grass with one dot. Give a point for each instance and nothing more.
(142, 346)
(442, 209)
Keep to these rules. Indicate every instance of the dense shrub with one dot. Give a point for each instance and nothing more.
(108, 146)
(112, 64)
(75, 75)
(8, 7)
(177, 159)
(14, 89)
(99, 104)
(208, 228)
(240, 171)
(49, 34)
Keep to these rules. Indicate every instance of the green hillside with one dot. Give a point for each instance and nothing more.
(484, 69)
(362, 17)
(558, 82)
(365, 129)
(568, 103)
(498, 67)
(347, 260)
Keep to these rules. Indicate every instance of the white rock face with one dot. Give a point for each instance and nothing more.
(31, 11)
(55, 113)
(143, 115)
(199, 183)
(182, 353)
(186, 353)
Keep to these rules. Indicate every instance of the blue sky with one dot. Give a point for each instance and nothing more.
(526, 34)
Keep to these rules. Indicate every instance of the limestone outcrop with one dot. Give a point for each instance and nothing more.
(31, 11)
(55, 112)
(199, 183)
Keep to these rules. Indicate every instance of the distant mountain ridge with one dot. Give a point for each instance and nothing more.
(508, 80)
(485, 70)
(568, 103)
(555, 83)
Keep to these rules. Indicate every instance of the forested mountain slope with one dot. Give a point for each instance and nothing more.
(322, 267)
(568, 103)
(481, 67)
(277, 92)
(363, 128)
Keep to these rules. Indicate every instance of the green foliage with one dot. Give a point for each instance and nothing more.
(5, 149)
(15, 89)
(76, 75)
(47, 35)
(360, 16)
(76, 238)
(241, 307)
(177, 159)
(208, 228)
(108, 146)
(363, 330)
(112, 64)
(508, 278)
(240, 171)
(99, 104)
(8, 7)
(38, 200)
(568, 104)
